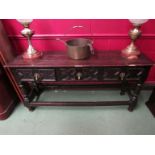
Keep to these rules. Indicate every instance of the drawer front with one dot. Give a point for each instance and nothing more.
(66, 74)
(45, 74)
(116, 73)
(34, 74)
(111, 73)
(77, 74)
(134, 73)
(20, 74)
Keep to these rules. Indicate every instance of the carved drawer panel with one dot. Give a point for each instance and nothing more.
(22, 74)
(134, 73)
(75, 74)
(45, 74)
(90, 74)
(110, 73)
(66, 74)
(32, 74)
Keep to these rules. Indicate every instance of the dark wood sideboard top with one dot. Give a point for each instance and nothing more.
(61, 59)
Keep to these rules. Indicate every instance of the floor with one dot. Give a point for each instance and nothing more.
(81, 120)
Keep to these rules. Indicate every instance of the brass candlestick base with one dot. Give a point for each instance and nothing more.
(30, 53)
(131, 51)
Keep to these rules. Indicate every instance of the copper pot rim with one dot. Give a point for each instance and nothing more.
(79, 42)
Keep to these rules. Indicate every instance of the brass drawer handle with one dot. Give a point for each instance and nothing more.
(122, 75)
(37, 77)
(79, 75)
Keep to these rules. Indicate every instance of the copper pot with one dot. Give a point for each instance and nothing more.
(79, 48)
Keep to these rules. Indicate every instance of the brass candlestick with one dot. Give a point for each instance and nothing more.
(31, 52)
(131, 51)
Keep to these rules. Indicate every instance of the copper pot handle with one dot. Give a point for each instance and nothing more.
(91, 47)
(73, 27)
(64, 42)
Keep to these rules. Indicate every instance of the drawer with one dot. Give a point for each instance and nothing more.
(77, 74)
(45, 74)
(115, 73)
(134, 73)
(37, 74)
(110, 73)
(22, 74)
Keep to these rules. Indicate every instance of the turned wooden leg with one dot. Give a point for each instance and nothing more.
(31, 108)
(26, 103)
(124, 86)
(124, 83)
(134, 98)
(122, 92)
(132, 103)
